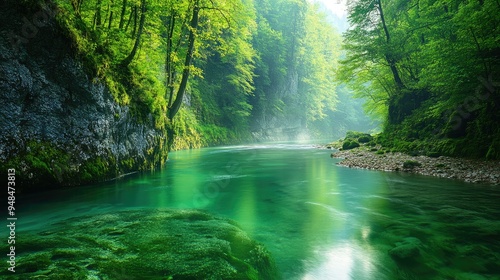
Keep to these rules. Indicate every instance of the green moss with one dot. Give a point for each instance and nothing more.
(365, 138)
(33, 262)
(494, 150)
(145, 244)
(356, 135)
(185, 130)
(215, 135)
(349, 144)
(128, 163)
(43, 165)
(432, 130)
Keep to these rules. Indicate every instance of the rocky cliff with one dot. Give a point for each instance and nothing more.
(59, 126)
(277, 125)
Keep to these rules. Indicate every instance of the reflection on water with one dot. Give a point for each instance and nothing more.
(319, 220)
(342, 261)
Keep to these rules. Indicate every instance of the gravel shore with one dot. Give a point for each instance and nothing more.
(468, 170)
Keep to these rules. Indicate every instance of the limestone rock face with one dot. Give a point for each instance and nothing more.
(60, 126)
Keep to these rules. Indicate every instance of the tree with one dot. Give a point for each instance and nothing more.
(131, 56)
(187, 61)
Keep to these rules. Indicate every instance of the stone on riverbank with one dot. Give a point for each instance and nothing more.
(468, 170)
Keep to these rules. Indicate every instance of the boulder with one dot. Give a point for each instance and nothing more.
(142, 244)
(407, 249)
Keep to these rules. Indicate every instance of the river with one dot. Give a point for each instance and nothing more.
(319, 220)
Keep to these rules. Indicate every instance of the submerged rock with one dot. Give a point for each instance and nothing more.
(142, 244)
(407, 249)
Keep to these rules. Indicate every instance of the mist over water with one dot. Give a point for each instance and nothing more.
(319, 220)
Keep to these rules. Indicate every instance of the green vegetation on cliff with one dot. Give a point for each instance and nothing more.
(210, 72)
(182, 74)
(430, 69)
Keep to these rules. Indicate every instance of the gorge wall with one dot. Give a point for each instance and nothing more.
(60, 126)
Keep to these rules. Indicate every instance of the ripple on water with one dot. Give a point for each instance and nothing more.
(336, 213)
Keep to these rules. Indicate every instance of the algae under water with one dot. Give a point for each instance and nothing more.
(318, 220)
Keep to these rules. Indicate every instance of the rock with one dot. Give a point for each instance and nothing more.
(404, 251)
(474, 171)
(365, 138)
(407, 249)
(143, 244)
(59, 124)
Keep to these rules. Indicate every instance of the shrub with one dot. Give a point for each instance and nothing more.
(348, 144)
(354, 134)
(365, 138)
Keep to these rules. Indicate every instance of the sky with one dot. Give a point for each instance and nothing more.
(338, 7)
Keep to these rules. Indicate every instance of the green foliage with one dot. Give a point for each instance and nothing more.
(428, 69)
(297, 52)
(186, 135)
(349, 144)
(356, 135)
(494, 150)
(365, 139)
(215, 135)
(251, 60)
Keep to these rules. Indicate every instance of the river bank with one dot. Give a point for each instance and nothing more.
(468, 170)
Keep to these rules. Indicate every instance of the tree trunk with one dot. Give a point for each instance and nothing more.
(391, 61)
(130, 57)
(122, 14)
(135, 23)
(187, 63)
(110, 19)
(133, 10)
(168, 60)
(97, 17)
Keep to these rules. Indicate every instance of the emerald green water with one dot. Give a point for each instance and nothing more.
(319, 220)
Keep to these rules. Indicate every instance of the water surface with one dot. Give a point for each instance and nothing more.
(319, 220)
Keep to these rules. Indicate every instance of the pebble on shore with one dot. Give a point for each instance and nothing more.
(468, 170)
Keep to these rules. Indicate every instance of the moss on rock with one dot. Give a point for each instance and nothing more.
(143, 244)
(349, 144)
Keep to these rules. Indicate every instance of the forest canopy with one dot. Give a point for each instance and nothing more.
(214, 71)
(431, 70)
